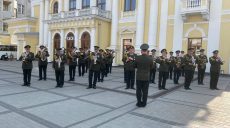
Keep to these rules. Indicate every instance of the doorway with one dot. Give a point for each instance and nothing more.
(85, 40)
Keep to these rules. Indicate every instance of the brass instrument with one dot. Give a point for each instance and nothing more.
(178, 62)
(25, 57)
(43, 54)
(73, 54)
(58, 60)
(202, 62)
(219, 59)
(193, 61)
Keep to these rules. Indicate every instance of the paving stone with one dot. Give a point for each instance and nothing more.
(132, 121)
(67, 112)
(75, 91)
(5, 90)
(13, 120)
(112, 99)
(30, 99)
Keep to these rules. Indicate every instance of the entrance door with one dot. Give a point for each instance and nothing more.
(69, 41)
(195, 43)
(57, 42)
(85, 40)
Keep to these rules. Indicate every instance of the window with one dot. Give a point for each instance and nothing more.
(21, 9)
(55, 8)
(5, 27)
(72, 5)
(130, 5)
(85, 4)
(101, 4)
(193, 3)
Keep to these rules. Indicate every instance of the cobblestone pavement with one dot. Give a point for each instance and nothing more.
(109, 106)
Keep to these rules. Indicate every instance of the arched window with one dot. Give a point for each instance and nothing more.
(72, 5)
(101, 4)
(130, 5)
(55, 7)
(85, 4)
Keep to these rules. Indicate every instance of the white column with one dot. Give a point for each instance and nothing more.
(140, 23)
(66, 5)
(114, 29)
(45, 24)
(108, 5)
(50, 45)
(152, 37)
(76, 38)
(41, 27)
(92, 39)
(214, 28)
(93, 3)
(62, 38)
(178, 27)
(163, 26)
(60, 6)
(79, 4)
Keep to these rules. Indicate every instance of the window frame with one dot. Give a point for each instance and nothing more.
(21, 9)
(87, 4)
(55, 7)
(101, 4)
(130, 7)
(73, 3)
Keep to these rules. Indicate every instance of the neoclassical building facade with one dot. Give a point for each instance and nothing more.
(116, 24)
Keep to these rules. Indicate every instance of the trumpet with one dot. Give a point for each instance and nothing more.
(219, 59)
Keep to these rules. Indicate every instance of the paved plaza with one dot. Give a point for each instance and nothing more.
(110, 105)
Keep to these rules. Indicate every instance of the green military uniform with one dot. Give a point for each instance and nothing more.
(177, 67)
(216, 63)
(171, 58)
(201, 62)
(42, 61)
(154, 67)
(163, 70)
(59, 67)
(189, 62)
(103, 61)
(143, 64)
(72, 61)
(27, 65)
(81, 62)
(130, 70)
(94, 69)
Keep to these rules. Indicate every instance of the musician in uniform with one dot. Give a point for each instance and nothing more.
(177, 67)
(154, 67)
(130, 68)
(189, 62)
(81, 62)
(125, 57)
(103, 60)
(59, 67)
(182, 66)
(201, 62)
(42, 55)
(216, 63)
(163, 69)
(143, 64)
(72, 61)
(171, 58)
(111, 57)
(94, 70)
(27, 57)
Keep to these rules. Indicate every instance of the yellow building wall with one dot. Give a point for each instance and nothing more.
(226, 4)
(147, 15)
(104, 34)
(4, 40)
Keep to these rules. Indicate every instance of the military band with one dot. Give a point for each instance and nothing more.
(27, 57)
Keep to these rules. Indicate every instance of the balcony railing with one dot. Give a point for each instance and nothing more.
(84, 12)
(193, 7)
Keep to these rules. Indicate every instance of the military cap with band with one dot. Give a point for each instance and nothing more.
(144, 47)
(27, 46)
